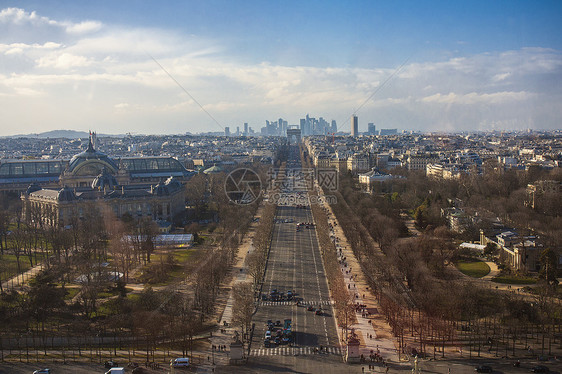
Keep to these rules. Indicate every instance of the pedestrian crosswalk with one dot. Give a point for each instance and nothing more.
(294, 351)
(301, 303)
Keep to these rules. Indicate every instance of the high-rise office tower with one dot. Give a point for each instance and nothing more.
(245, 128)
(354, 126)
(227, 131)
(371, 129)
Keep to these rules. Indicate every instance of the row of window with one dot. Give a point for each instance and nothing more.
(31, 168)
(152, 164)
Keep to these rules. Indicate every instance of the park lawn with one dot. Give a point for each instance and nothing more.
(181, 256)
(9, 266)
(71, 292)
(475, 269)
(512, 279)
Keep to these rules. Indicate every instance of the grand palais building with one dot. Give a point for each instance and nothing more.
(62, 190)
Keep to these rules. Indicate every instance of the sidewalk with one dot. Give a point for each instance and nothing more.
(373, 331)
(21, 279)
(223, 334)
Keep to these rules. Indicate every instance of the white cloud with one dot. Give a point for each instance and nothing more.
(83, 27)
(63, 61)
(110, 71)
(21, 17)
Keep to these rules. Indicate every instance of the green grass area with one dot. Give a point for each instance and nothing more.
(475, 269)
(9, 266)
(512, 279)
(71, 292)
(183, 255)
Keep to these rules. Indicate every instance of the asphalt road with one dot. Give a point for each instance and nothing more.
(295, 264)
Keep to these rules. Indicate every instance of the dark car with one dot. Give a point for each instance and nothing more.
(483, 369)
(310, 308)
(540, 369)
(42, 371)
(110, 364)
(318, 312)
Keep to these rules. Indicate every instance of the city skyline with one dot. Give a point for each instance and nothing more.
(204, 66)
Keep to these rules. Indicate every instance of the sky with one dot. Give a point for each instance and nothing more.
(177, 66)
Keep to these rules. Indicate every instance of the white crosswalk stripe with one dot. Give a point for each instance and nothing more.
(292, 351)
(313, 303)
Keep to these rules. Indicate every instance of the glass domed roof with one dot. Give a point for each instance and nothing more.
(90, 154)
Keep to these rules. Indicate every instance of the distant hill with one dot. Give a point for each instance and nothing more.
(68, 134)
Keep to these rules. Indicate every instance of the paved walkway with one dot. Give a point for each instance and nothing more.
(373, 331)
(494, 271)
(21, 280)
(223, 334)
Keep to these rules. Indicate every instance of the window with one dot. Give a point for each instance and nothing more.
(16, 169)
(42, 168)
(54, 168)
(28, 168)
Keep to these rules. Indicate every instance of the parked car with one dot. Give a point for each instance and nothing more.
(540, 369)
(180, 362)
(483, 369)
(42, 371)
(110, 364)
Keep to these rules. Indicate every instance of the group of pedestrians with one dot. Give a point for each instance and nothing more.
(219, 348)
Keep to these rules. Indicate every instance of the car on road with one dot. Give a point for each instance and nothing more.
(110, 364)
(483, 369)
(310, 308)
(42, 371)
(268, 335)
(180, 362)
(540, 369)
(318, 312)
(267, 343)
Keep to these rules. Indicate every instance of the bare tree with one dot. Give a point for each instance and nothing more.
(243, 306)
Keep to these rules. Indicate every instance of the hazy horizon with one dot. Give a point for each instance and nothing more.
(200, 66)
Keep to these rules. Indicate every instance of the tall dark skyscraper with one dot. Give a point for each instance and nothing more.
(354, 125)
(245, 128)
(371, 129)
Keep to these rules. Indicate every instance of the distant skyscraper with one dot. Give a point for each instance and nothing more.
(388, 131)
(245, 128)
(237, 130)
(371, 129)
(227, 131)
(354, 126)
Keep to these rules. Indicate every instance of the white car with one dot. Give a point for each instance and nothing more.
(180, 362)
